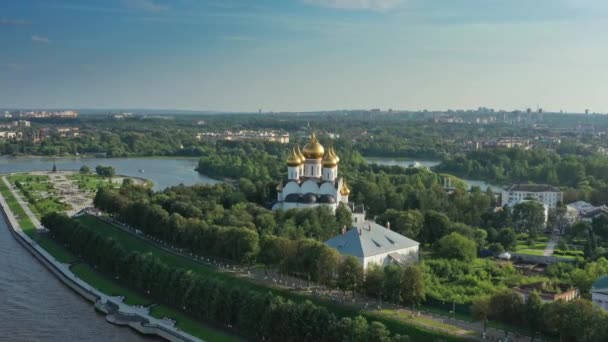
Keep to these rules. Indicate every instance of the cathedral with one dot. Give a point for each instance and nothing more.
(312, 179)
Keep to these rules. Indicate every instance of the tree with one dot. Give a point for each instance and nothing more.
(393, 278)
(85, 170)
(533, 310)
(412, 285)
(529, 216)
(350, 274)
(435, 226)
(507, 306)
(482, 310)
(105, 171)
(378, 332)
(456, 246)
(374, 281)
(507, 238)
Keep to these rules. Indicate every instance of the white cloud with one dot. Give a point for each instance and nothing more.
(40, 40)
(146, 5)
(374, 5)
(14, 22)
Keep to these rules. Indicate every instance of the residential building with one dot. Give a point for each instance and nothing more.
(599, 292)
(583, 211)
(372, 243)
(545, 194)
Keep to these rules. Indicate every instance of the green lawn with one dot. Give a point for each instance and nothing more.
(531, 251)
(108, 286)
(31, 182)
(58, 252)
(423, 320)
(26, 224)
(187, 324)
(90, 182)
(134, 243)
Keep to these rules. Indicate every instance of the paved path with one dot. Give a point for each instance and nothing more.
(23, 204)
(551, 244)
(65, 270)
(276, 280)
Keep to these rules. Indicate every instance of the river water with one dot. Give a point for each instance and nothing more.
(34, 304)
(429, 164)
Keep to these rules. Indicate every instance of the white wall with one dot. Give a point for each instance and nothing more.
(411, 254)
(600, 299)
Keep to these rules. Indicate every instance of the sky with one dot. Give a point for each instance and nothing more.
(304, 55)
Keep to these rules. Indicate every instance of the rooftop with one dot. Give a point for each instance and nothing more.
(534, 188)
(369, 238)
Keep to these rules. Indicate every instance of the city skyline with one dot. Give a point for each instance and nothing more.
(304, 55)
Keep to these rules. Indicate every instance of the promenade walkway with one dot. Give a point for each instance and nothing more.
(124, 309)
(469, 330)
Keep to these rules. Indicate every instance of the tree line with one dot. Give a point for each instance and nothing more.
(260, 316)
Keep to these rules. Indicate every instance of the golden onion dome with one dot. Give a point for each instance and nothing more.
(344, 190)
(334, 154)
(313, 150)
(330, 159)
(294, 159)
(300, 154)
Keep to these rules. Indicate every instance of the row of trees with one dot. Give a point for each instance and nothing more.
(576, 320)
(260, 316)
(588, 174)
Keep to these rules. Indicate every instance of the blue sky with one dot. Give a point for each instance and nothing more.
(298, 55)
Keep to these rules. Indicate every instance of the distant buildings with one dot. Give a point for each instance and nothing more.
(16, 123)
(545, 194)
(583, 211)
(66, 114)
(245, 135)
(10, 135)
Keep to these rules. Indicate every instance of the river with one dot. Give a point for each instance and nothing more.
(34, 304)
(405, 162)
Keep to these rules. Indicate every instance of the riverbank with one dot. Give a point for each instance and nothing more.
(116, 311)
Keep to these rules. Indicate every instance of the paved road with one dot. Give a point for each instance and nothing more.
(65, 270)
(551, 244)
(273, 279)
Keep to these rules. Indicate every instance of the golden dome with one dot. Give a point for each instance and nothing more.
(334, 154)
(330, 159)
(294, 159)
(313, 150)
(300, 154)
(344, 190)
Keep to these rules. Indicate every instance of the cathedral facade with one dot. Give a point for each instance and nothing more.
(312, 179)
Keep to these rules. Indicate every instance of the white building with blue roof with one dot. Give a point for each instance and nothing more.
(372, 243)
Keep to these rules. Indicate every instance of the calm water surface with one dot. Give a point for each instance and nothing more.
(34, 304)
(163, 172)
(430, 163)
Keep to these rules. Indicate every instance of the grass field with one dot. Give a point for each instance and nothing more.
(423, 320)
(187, 324)
(129, 241)
(26, 224)
(108, 286)
(90, 182)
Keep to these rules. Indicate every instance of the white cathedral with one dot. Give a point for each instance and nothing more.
(312, 179)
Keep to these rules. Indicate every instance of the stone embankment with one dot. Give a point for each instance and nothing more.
(116, 311)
